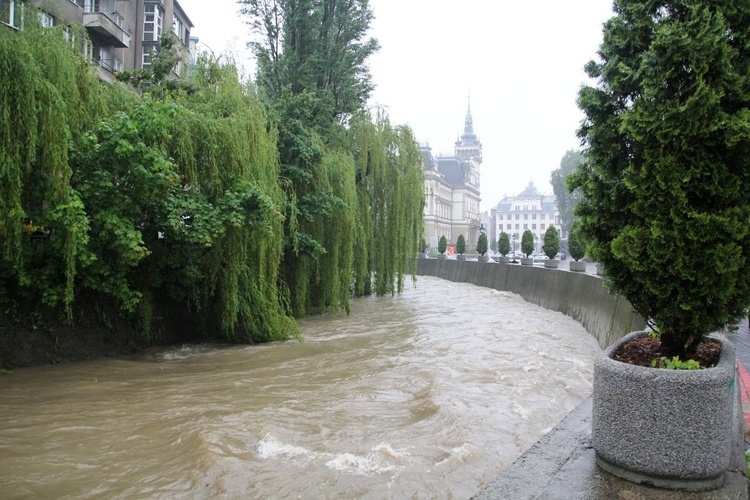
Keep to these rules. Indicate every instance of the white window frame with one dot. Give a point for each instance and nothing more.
(46, 19)
(152, 22)
(14, 13)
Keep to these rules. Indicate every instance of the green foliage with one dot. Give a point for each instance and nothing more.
(461, 244)
(503, 244)
(577, 242)
(566, 199)
(667, 135)
(527, 243)
(551, 245)
(315, 46)
(442, 244)
(675, 363)
(482, 244)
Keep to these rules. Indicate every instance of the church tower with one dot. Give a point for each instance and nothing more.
(468, 146)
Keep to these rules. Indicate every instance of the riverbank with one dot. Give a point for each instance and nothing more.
(562, 465)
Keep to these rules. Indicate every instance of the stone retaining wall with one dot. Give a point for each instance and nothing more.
(583, 297)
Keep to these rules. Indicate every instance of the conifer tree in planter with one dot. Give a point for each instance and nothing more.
(667, 175)
(551, 246)
(577, 247)
(503, 247)
(461, 247)
(442, 246)
(482, 247)
(527, 247)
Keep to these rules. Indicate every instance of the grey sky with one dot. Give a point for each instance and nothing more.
(521, 62)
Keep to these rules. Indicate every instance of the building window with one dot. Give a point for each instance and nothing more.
(541, 216)
(147, 53)
(11, 13)
(525, 226)
(533, 216)
(533, 226)
(177, 27)
(517, 227)
(152, 22)
(518, 216)
(541, 226)
(525, 216)
(507, 226)
(46, 20)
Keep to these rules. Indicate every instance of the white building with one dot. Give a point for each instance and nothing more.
(529, 210)
(451, 190)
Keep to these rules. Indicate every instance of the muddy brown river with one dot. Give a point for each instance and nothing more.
(429, 394)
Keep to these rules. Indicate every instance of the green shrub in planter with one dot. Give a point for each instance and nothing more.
(503, 244)
(576, 242)
(460, 244)
(482, 244)
(527, 243)
(551, 246)
(442, 245)
(667, 173)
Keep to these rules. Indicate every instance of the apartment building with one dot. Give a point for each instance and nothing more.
(123, 33)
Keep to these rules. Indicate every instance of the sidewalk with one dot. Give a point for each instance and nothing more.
(562, 465)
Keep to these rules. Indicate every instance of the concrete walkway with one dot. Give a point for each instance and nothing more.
(562, 465)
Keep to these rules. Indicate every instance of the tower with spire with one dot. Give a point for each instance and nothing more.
(468, 146)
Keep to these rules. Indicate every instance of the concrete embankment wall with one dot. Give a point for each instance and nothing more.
(581, 296)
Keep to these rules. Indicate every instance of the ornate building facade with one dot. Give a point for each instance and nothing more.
(451, 190)
(531, 210)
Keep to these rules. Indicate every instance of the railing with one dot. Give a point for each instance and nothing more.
(110, 65)
(113, 16)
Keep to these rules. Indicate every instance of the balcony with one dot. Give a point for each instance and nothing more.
(109, 26)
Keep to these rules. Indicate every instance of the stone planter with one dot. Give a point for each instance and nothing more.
(578, 266)
(503, 259)
(600, 269)
(551, 263)
(668, 428)
(527, 261)
(483, 258)
(441, 256)
(460, 257)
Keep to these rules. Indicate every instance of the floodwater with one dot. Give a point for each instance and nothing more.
(429, 394)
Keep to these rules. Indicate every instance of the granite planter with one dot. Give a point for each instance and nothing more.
(578, 266)
(483, 258)
(527, 261)
(551, 263)
(667, 428)
(504, 259)
(460, 257)
(441, 256)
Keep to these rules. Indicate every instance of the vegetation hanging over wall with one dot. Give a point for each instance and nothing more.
(197, 194)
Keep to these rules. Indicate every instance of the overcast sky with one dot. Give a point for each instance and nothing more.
(520, 62)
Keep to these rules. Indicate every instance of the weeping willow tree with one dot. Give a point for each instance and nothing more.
(49, 96)
(389, 169)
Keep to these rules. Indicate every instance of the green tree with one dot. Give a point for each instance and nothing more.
(551, 244)
(460, 244)
(482, 244)
(667, 135)
(503, 244)
(442, 244)
(315, 46)
(577, 242)
(527, 242)
(566, 199)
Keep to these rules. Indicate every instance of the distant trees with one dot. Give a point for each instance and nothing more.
(442, 245)
(551, 245)
(566, 198)
(503, 244)
(461, 245)
(527, 242)
(482, 244)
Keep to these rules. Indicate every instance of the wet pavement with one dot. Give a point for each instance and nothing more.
(562, 465)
